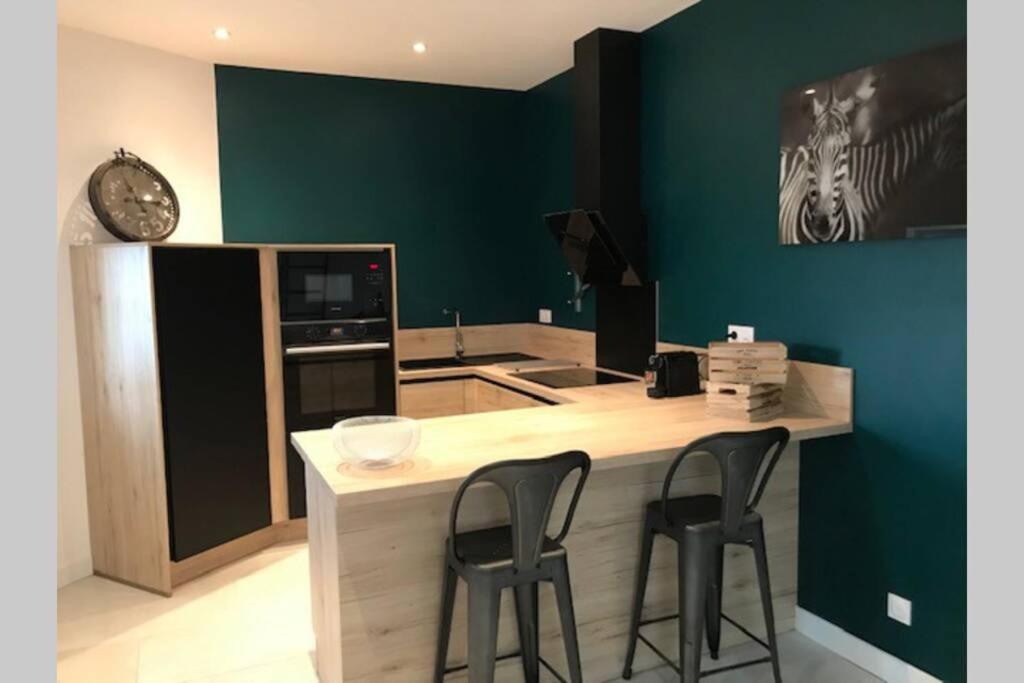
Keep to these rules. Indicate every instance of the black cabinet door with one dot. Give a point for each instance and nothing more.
(210, 343)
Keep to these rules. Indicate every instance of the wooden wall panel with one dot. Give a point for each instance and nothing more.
(439, 342)
(811, 389)
(119, 382)
(546, 341)
(816, 389)
(561, 343)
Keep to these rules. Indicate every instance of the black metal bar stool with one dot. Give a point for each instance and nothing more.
(701, 526)
(517, 556)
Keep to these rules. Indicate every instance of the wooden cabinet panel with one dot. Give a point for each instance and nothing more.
(487, 396)
(121, 418)
(510, 400)
(434, 399)
(441, 397)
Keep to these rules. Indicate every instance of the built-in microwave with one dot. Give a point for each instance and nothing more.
(334, 285)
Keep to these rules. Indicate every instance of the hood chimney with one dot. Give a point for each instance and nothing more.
(604, 238)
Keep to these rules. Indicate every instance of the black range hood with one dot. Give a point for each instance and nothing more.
(604, 238)
(590, 249)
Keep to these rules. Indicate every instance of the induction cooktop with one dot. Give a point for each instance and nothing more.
(572, 377)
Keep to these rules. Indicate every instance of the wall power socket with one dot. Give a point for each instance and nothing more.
(544, 315)
(899, 609)
(740, 333)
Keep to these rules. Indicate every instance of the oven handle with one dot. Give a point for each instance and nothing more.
(335, 348)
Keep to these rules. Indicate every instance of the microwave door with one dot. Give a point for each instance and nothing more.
(304, 295)
(334, 285)
(338, 295)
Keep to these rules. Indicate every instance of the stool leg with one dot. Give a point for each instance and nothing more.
(563, 594)
(646, 545)
(761, 557)
(526, 617)
(713, 611)
(444, 629)
(484, 609)
(695, 561)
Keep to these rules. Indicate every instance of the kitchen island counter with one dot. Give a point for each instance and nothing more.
(376, 538)
(616, 424)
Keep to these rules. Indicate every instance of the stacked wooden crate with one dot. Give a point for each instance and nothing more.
(746, 379)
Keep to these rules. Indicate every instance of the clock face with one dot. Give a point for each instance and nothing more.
(133, 200)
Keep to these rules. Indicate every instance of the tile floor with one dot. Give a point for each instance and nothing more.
(250, 623)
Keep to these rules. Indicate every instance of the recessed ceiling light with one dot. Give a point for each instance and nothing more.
(810, 91)
(419, 47)
(221, 33)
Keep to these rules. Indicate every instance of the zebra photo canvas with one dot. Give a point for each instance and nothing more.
(877, 153)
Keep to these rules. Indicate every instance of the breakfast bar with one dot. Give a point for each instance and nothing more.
(376, 538)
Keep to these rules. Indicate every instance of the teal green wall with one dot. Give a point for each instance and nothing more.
(457, 177)
(885, 508)
(549, 157)
(435, 169)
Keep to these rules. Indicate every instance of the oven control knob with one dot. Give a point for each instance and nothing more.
(359, 330)
(311, 333)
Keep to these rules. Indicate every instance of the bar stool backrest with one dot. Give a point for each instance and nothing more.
(530, 488)
(745, 461)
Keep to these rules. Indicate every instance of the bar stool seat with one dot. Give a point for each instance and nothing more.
(493, 548)
(684, 512)
(519, 556)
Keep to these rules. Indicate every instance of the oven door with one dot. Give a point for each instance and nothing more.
(329, 382)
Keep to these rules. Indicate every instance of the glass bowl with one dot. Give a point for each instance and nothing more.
(376, 441)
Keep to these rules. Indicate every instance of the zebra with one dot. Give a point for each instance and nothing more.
(831, 190)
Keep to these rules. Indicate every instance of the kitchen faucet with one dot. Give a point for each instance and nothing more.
(460, 348)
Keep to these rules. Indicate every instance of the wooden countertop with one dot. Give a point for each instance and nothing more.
(616, 424)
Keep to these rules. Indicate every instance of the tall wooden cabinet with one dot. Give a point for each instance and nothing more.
(175, 381)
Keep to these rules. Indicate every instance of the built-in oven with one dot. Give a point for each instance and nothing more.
(331, 374)
(334, 285)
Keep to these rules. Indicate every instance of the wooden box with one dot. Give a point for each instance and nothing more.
(747, 363)
(745, 380)
(746, 402)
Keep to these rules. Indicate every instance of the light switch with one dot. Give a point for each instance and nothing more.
(899, 609)
(740, 333)
(545, 315)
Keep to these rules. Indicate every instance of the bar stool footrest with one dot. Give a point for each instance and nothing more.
(511, 655)
(709, 672)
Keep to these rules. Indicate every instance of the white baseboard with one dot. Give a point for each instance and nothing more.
(865, 655)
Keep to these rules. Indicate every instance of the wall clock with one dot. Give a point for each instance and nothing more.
(133, 200)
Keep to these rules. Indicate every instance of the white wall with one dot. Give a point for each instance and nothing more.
(113, 94)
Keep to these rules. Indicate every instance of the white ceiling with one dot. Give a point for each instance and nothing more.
(494, 43)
